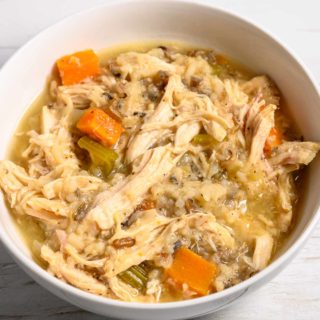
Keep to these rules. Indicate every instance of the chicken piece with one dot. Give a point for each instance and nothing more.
(68, 272)
(185, 133)
(294, 152)
(238, 100)
(194, 106)
(236, 96)
(163, 113)
(82, 95)
(192, 67)
(134, 101)
(72, 251)
(13, 177)
(285, 158)
(62, 187)
(261, 127)
(286, 197)
(24, 194)
(213, 230)
(15, 182)
(48, 217)
(121, 201)
(53, 149)
(218, 95)
(262, 85)
(40, 204)
(141, 65)
(191, 107)
(210, 191)
(255, 106)
(259, 121)
(62, 237)
(215, 130)
(48, 119)
(227, 274)
(285, 192)
(214, 124)
(263, 250)
(146, 231)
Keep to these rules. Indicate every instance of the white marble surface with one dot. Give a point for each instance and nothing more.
(295, 293)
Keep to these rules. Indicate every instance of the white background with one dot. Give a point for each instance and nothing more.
(295, 293)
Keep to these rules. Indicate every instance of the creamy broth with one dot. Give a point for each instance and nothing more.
(249, 212)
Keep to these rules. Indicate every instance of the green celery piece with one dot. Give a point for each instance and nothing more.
(202, 139)
(135, 276)
(103, 159)
(217, 69)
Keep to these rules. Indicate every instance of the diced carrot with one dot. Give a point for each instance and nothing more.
(100, 126)
(78, 66)
(188, 267)
(273, 140)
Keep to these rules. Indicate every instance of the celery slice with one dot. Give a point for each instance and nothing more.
(135, 276)
(217, 69)
(202, 139)
(103, 159)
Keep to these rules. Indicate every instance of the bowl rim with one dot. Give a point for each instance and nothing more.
(35, 271)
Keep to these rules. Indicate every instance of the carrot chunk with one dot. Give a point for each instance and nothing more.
(188, 267)
(78, 66)
(273, 140)
(100, 126)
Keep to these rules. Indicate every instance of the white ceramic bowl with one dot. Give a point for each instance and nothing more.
(24, 75)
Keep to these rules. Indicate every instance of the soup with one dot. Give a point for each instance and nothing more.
(154, 173)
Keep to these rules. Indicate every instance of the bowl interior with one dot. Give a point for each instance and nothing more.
(24, 76)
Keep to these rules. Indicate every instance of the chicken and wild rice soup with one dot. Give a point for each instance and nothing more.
(155, 173)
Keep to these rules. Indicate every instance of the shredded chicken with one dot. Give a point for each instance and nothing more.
(67, 271)
(293, 152)
(192, 171)
(259, 121)
(120, 202)
(262, 85)
(139, 65)
(140, 143)
(262, 251)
